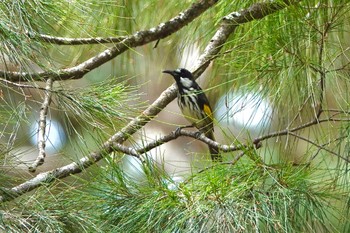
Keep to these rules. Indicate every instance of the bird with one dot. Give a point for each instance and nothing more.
(195, 106)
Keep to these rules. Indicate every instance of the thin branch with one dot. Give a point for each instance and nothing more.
(322, 146)
(299, 111)
(192, 134)
(337, 111)
(77, 167)
(21, 85)
(322, 70)
(42, 126)
(322, 73)
(139, 38)
(319, 146)
(344, 66)
(216, 43)
(288, 131)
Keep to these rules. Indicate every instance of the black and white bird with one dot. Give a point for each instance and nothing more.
(195, 106)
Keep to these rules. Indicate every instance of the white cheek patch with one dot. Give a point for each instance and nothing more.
(186, 82)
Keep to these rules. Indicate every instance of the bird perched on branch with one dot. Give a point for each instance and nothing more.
(195, 106)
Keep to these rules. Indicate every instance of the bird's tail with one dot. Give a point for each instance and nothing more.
(214, 152)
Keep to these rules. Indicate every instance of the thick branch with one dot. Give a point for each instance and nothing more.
(42, 126)
(216, 43)
(139, 38)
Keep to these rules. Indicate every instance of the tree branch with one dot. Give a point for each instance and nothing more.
(20, 85)
(320, 147)
(288, 131)
(42, 126)
(196, 135)
(322, 70)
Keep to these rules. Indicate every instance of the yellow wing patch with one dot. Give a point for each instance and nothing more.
(207, 111)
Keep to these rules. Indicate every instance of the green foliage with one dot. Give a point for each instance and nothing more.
(20, 20)
(45, 212)
(245, 197)
(103, 105)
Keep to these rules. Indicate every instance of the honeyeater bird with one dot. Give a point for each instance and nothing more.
(194, 105)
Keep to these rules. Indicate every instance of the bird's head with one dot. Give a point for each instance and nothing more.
(179, 73)
(182, 76)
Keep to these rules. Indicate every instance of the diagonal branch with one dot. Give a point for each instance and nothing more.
(225, 30)
(139, 38)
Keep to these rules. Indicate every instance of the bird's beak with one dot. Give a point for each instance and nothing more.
(169, 72)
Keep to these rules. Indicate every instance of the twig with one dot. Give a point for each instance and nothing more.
(299, 111)
(344, 66)
(319, 146)
(21, 85)
(288, 131)
(322, 146)
(337, 111)
(42, 126)
(220, 37)
(192, 134)
(322, 69)
(322, 73)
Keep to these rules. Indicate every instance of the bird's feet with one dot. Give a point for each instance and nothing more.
(178, 129)
(198, 134)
